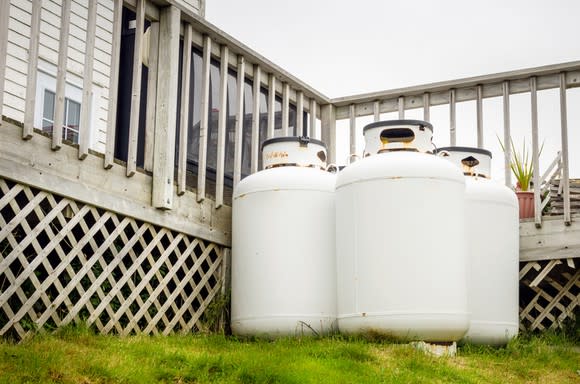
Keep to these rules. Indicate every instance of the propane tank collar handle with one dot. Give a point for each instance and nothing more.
(303, 140)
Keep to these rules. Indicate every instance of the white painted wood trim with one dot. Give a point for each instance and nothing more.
(285, 108)
(565, 149)
(271, 106)
(222, 120)
(328, 128)
(4, 19)
(204, 122)
(184, 115)
(239, 129)
(164, 152)
(85, 131)
(452, 116)
(61, 75)
(507, 133)
(479, 112)
(255, 144)
(113, 85)
(376, 110)
(32, 74)
(426, 106)
(536, 151)
(401, 108)
(352, 131)
(136, 89)
(299, 112)
(151, 95)
(312, 130)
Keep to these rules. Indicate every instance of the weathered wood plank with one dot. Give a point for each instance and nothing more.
(165, 122)
(153, 65)
(554, 240)
(61, 173)
(507, 133)
(535, 150)
(328, 128)
(255, 141)
(239, 128)
(479, 108)
(285, 108)
(352, 132)
(426, 106)
(184, 115)
(564, 153)
(204, 122)
(32, 72)
(401, 107)
(61, 75)
(452, 118)
(271, 105)
(85, 123)
(312, 129)
(136, 89)
(222, 121)
(299, 112)
(113, 85)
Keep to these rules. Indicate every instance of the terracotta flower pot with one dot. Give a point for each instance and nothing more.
(526, 201)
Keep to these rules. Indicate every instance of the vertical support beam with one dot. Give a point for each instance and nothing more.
(136, 89)
(204, 121)
(32, 68)
(61, 76)
(239, 129)
(184, 114)
(427, 106)
(376, 110)
(300, 131)
(255, 145)
(507, 134)
(328, 128)
(352, 130)
(312, 131)
(222, 120)
(564, 135)
(479, 116)
(536, 152)
(452, 132)
(113, 85)
(4, 19)
(164, 150)
(153, 66)
(285, 108)
(85, 122)
(271, 106)
(401, 107)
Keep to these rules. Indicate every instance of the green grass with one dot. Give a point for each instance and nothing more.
(76, 355)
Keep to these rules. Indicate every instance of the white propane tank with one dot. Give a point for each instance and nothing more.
(283, 261)
(492, 225)
(401, 264)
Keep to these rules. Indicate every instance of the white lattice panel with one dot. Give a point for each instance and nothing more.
(63, 261)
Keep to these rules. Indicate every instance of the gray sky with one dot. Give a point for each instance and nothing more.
(345, 47)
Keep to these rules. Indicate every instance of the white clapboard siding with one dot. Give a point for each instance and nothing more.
(17, 56)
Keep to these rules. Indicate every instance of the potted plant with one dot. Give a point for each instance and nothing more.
(523, 169)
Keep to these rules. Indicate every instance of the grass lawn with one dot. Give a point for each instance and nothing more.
(76, 355)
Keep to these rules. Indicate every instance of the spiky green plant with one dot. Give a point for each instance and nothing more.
(521, 165)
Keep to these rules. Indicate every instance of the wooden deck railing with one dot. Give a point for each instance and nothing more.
(450, 93)
(259, 88)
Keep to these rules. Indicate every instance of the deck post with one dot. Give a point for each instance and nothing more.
(328, 125)
(376, 110)
(165, 122)
(565, 163)
(312, 131)
(352, 130)
(255, 143)
(401, 103)
(271, 106)
(506, 133)
(222, 122)
(239, 129)
(113, 84)
(286, 109)
(426, 106)
(61, 75)
(184, 115)
(32, 73)
(204, 121)
(85, 126)
(536, 152)
(452, 117)
(479, 116)
(136, 89)
(151, 106)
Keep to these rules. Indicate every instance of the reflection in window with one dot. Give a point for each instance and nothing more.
(72, 117)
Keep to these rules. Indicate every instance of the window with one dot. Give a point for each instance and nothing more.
(72, 116)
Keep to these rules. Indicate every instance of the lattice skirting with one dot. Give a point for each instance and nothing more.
(63, 261)
(549, 293)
